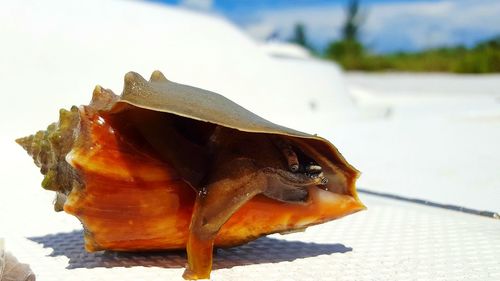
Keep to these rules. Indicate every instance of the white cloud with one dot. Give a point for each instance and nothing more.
(391, 26)
(320, 23)
(432, 24)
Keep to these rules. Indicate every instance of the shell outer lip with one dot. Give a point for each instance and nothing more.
(160, 94)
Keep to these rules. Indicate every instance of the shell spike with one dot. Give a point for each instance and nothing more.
(103, 99)
(96, 95)
(157, 76)
(26, 143)
(133, 78)
(134, 83)
(97, 91)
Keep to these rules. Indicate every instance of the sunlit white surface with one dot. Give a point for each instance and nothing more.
(432, 147)
(285, 49)
(436, 137)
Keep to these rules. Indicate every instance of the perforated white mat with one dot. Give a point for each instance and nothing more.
(392, 240)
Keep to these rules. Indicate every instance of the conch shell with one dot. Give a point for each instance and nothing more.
(169, 166)
(11, 269)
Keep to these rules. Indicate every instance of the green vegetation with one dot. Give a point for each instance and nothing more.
(483, 58)
(352, 55)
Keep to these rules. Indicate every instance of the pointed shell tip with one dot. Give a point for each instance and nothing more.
(25, 142)
(157, 76)
(97, 89)
(132, 77)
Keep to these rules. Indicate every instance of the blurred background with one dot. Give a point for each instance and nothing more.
(375, 35)
(409, 91)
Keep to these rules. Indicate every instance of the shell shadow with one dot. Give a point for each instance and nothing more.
(263, 250)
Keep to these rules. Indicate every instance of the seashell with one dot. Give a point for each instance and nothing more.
(11, 269)
(170, 166)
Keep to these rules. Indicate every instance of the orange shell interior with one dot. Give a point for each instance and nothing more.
(134, 201)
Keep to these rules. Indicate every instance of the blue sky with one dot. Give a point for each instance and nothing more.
(390, 25)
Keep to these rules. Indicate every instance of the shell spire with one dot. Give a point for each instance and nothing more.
(49, 148)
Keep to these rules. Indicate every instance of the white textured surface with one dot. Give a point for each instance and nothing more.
(391, 241)
(439, 139)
